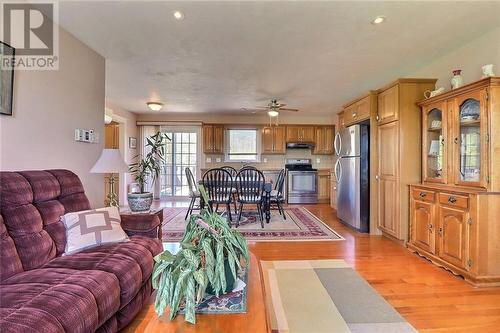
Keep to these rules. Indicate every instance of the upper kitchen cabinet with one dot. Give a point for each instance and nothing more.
(273, 140)
(464, 150)
(359, 110)
(388, 105)
(213, 139)
(340, 120)
(324, 140)
(297, 133)
(396, 136)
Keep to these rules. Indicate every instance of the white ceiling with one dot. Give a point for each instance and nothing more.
(226, 55)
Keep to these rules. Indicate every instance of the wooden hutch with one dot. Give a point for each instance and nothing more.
(455, 211)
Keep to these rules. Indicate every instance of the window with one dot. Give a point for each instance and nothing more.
(242, 145)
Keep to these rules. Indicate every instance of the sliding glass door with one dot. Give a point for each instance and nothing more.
(181, 152)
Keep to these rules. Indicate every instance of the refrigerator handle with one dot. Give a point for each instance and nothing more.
(337, 145)
(337, 171)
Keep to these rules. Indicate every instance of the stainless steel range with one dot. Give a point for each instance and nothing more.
(302, 181)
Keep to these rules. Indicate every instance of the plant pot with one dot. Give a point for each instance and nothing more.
(140, 202)
(229, 280)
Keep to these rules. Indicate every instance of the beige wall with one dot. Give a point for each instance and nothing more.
(128, 128)
(48, 107)
(469, 58)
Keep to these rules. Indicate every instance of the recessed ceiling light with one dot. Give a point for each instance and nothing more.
(178, 15)
(378, 20)
(154, 106)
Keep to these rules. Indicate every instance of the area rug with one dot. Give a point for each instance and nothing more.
(300, 225)
(325, 296)
(232, 302)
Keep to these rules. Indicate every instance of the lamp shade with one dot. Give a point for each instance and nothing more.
(110, 161)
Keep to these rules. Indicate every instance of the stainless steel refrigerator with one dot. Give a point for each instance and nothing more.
(352, 172)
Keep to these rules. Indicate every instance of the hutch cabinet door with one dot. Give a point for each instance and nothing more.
(422, 228)
(388, 105)
(434, 143)
(470, 130)
(453, 235)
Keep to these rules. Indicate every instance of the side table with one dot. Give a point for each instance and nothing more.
(147, 223)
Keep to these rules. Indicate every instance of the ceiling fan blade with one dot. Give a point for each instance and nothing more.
(288, 109)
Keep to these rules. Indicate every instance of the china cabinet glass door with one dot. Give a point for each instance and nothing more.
(434, 138)
(469, 139)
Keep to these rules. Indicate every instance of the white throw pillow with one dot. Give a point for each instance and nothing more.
(90, 228)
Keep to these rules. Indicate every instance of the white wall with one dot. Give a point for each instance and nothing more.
(48, 106)
(469, 58)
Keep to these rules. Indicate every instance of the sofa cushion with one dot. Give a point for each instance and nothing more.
(58, 300)
(11, 264)
(130, 262)
(91, 228)
(103, 286)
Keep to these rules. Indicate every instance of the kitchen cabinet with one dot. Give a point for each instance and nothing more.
(324, 140)
(358, 110)
(463, 185)
(213, 139)
(340, 120)
(273, 140)
(299, 133)
(333, 190)
(323, 186)
(388, 104)
(397, 152)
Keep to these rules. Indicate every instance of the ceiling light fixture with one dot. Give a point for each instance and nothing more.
(378, 19)
(154, 106)
(273, 113)
(178, 15)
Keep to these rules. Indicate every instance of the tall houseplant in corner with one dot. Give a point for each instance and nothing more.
(147, 169)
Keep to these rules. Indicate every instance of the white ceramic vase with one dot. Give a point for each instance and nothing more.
(457, 81)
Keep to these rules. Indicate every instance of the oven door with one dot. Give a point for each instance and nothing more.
(302, 186)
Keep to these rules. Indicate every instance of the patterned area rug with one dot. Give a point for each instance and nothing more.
(300, 225)
(325, 296)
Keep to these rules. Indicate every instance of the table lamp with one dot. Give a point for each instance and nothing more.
(110, 161)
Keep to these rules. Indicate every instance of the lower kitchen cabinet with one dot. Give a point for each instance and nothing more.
(457, 228)
(333, 190)
(324, 186)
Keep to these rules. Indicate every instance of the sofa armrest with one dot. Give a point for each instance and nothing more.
(141, 224)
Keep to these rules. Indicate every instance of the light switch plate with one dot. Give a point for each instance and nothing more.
(208, 160)
(218, 159)
(318, 160)
(265, 159)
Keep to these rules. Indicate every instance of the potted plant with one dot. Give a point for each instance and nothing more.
(209, 257)
(147, 169)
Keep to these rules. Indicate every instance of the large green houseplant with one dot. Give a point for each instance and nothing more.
(146, 169)
(208, 246)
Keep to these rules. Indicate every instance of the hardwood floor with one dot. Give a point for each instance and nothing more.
(430, 298)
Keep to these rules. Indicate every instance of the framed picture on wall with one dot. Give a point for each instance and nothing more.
(132, 143)
(6, 78)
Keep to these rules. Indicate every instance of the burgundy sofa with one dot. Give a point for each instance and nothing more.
(100, 289)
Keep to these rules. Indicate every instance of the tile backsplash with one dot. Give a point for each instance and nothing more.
(274, 161)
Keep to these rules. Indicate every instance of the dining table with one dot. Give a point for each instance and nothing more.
(266, 198)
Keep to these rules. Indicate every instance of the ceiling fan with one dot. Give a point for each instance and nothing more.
(273, 109)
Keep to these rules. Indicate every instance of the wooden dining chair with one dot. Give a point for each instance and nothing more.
(219, 184)
(277, 197)
(233, 173)
(250, 186)
(193, 192)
